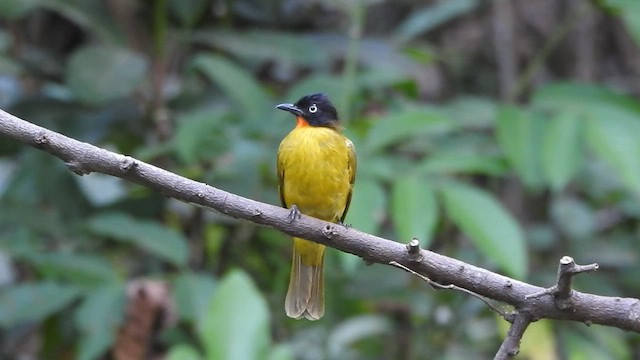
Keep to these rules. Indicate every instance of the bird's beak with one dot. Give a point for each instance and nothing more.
(290, 108)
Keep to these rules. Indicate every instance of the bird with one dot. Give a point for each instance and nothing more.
(316, 167)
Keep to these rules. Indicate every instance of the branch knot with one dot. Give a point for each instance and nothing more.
(127, 164)
(562, 291)
(413, 247)
(42, 139)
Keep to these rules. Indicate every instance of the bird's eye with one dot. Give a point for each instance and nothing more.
(313, 108)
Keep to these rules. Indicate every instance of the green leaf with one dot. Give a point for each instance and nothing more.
(240, 86)
(575, 218)
(99, 74)
(98, 319)
(183, 352)
(613, 135)
(91, 16)
(151, 236)
(403, 125)
(452, 163)
(264, 45)
(237, 323)
(612, 124)
(366, 213)
(86, 269)
(193, 294)
(188, 12)
(516, 133)
(349, 332)
(101, 189)
(629, 10)
(561, 154)
(367, 208)
(15, 9)
(281, 352)
(200, 134)
(581, 98)
(474, 112)
(601, 343)
(413, 209)
(432, 16)
(33, 302)
(491, 228)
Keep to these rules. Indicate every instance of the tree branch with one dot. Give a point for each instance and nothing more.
(83, 158)
(567, 269)
(511, 345)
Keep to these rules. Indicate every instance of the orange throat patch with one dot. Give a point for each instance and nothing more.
(301, 122)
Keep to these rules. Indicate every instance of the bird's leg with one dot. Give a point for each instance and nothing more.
(294, 213)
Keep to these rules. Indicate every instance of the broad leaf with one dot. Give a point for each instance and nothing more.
(33, 302)
(151, 236)
(259, 46)
(236, 325)
(517, 135)
(414, 209)
(452, 163)
(15, 9)
(86, 269)
(183, 352)
(600, 343)
(193, 294)
(581, 98)
(366, 213)
(367, 206)
(98, 318)
(200, 134)
(562, 152)
(99, 74)
(629, 10)
(427, 18)
(613, 134)
(344, 335)
(281, 352)
(406, 124)
(101, 189)
(491, 228)
(188, 12)
(246, 94)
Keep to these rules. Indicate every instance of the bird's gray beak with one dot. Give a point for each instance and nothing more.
(290, 108)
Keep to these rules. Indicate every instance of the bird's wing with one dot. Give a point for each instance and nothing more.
(352, 165)
(281, 181)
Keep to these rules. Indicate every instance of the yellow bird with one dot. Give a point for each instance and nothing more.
(316, 169)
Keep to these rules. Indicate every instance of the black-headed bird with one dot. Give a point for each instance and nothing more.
(316, 170)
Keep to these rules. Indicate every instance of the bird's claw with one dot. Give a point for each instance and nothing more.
(294, 213)
(348, 226)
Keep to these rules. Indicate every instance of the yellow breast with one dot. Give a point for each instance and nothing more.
(315, 171)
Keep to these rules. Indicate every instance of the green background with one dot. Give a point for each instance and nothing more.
(502, 133)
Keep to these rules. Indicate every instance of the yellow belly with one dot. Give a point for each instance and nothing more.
(313, 163)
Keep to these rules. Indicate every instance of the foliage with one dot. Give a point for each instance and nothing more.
(190, 86)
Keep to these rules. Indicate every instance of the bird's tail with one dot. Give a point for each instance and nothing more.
(305, 297)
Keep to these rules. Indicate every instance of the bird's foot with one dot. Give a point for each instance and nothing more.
(294, 213)
(347, 226)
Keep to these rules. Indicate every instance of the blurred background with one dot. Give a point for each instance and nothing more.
(502, 133)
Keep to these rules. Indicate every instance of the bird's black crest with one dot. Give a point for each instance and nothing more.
(325, 113)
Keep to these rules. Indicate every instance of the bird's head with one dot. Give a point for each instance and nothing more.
(313, 110)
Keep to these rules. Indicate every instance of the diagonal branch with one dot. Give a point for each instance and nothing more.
(511, 345)
(84, 158)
